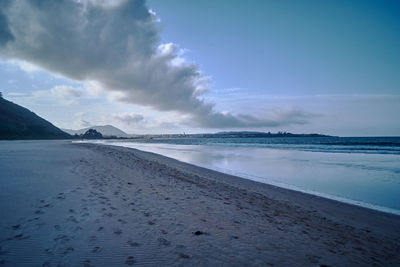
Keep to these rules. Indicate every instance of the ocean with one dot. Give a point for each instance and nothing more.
(364, 171)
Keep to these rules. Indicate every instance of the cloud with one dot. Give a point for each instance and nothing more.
(5, 32)
(116, 45)
(58, 95)
(26, 66)
(273, 118)
(85, 123)
(65, 91)
(129, 118)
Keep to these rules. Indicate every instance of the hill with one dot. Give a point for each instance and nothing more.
(17, 122)
(243, 134)
(105, 130)
(247, 134)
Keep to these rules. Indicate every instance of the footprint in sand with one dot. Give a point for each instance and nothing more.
(184, 256)
(68, 250)
(118, 231)
(72, 219)
(21, 236)
(16, 227)
(96, 249)
(163, 241)
(63, 238)
(122, 221)
(130, 260)
(39, 212)
(87, 263)
(61, 196)
(133, 244)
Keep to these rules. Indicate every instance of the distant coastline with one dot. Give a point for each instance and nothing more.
(239, 134)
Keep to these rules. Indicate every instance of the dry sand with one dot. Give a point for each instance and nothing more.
(94, 205)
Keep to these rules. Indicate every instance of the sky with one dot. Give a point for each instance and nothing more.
(190, 66)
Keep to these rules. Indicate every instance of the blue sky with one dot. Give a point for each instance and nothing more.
(203, 66)
(290, 47)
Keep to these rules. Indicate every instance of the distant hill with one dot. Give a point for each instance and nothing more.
(247, 134)
(105, 130)
(92, 134)
(17, 122)
(243, 134)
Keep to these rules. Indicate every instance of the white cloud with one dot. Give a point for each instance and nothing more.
(26, 66)
(154, 15)
(94, 88)
(64, 91)
(58, 95)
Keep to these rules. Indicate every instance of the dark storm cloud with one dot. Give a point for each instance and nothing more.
(5, 32)
(118, 46)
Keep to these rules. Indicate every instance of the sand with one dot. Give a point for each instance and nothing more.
(94, 205)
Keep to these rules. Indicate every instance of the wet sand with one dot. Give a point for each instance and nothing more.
(94, 205)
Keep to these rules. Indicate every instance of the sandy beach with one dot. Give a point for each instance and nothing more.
(73, 204)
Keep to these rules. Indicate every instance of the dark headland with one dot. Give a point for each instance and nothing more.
(17, 122)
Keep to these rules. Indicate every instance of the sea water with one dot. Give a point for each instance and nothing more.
(360, 170)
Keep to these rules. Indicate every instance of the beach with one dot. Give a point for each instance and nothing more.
(76, 204)
(369, 174)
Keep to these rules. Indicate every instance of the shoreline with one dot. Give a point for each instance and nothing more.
(116, 206)
(248, 183)
(293, 188)
(273, 183)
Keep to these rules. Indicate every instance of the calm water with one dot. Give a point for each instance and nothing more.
(362, 171)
